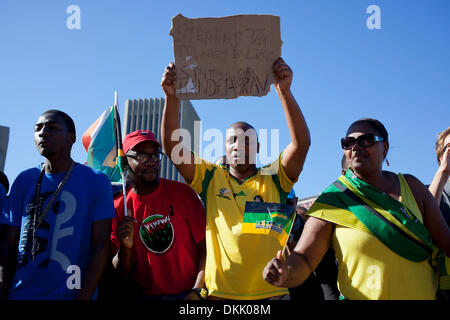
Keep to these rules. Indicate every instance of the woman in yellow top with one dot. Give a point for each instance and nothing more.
(385, 228)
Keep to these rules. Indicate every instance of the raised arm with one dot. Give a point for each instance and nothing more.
(295, 153)
(181, 157)
(441, 177)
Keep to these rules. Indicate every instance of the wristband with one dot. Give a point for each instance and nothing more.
(202, 293)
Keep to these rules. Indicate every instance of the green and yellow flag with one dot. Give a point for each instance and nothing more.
(274, 219)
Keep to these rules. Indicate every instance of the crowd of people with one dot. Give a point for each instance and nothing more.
(372, 234)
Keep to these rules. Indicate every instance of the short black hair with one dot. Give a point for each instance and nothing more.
(246, 126)
(4, 181)
(70, 125)
(375, 124)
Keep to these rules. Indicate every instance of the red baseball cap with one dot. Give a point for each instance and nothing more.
(134, 138)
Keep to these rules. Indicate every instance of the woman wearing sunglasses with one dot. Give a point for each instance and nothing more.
(386, 229)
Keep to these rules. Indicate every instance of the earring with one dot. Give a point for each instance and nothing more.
(387, 162)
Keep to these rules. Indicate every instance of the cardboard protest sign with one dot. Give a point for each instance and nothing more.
(224, 58)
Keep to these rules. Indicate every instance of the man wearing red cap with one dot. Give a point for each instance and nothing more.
(160, 243)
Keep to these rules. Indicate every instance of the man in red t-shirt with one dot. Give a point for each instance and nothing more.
(161, 242)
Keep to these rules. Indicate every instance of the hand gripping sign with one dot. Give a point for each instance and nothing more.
(224, 58)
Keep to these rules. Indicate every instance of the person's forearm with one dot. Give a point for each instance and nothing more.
(94, 272)
(200, 281)
(298, 270)
(122, 260)
(170, 122)
(298, 128)
(172, 140)
(295, 153)
(437, 185)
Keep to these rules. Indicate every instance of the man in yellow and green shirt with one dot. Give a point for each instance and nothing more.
(235, 260)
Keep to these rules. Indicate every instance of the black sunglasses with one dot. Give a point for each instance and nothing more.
(364, 141)
(143, 157)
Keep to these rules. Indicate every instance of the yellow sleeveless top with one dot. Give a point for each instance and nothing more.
(370, 270)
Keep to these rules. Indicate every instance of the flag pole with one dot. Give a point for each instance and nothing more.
(290, 229)
(120, 152)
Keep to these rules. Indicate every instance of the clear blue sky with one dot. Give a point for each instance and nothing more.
(342, 71)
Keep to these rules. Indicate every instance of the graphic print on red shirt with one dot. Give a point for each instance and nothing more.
(170, 224)
(156, 232)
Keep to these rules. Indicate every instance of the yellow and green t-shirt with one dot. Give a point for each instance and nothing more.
(235, 261)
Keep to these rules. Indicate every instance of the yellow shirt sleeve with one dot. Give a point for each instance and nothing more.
(201, 167)
(276, 167)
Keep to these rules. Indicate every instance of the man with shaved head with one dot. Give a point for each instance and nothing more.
(235, 260)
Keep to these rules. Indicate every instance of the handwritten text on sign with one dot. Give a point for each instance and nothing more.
(225, 57)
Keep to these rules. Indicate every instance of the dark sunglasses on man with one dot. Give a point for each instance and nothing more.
(143, 157)
(363, 141)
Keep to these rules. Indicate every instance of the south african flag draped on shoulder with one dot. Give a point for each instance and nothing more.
(274, 219)
(353, 203)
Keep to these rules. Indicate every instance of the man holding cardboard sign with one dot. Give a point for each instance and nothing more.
(235, 260)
